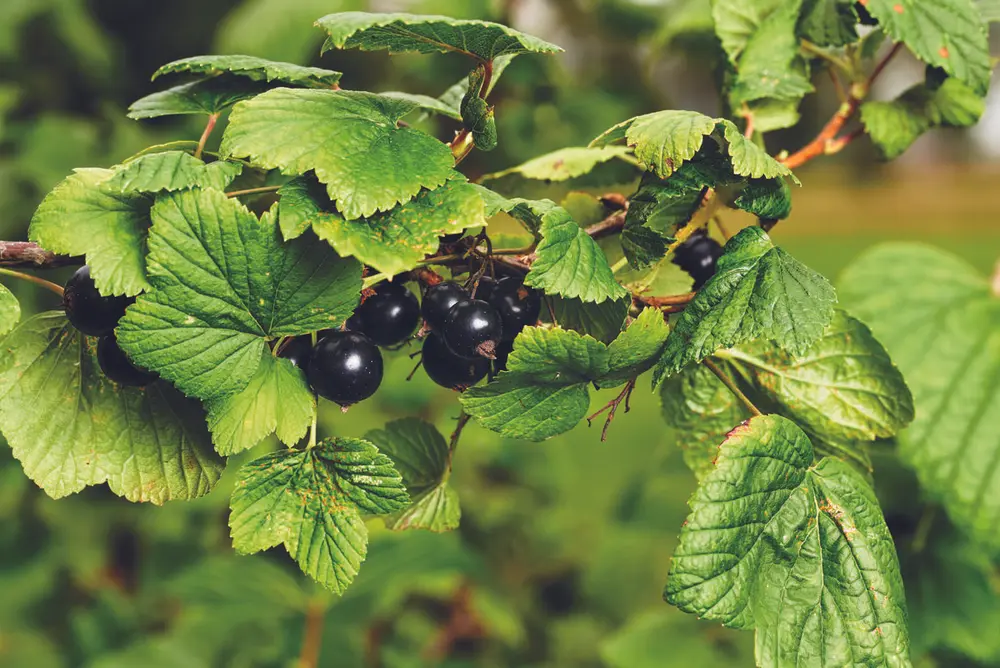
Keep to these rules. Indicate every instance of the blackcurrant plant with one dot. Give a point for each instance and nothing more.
(219, 326)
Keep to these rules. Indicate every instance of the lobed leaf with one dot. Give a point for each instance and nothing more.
(939, 319)
(662, 140)
(757, 292)
(276, 400)
(208, 97)
(10, 310)
(798, 552)
(251, 67)
(518, 407)
(828, 22)
(423, 459)
(400, 32)
(71, 427)
(637, 349)
(79, 217)
(749, 159)
(169, 171)
(223, 283)
(564, 164)
(311, 502)
(349, 139)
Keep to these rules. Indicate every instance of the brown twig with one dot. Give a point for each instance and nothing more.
(669, 300)
(28, 255)
(612, 407)
(610, 225)
(463, 419)
(312, 638)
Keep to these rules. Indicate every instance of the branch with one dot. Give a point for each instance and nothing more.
(312, 637)
(32, 256)
(731, 386)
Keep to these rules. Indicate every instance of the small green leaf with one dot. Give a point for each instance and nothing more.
(423, 459)
(210, 96)
(949, 34)
(796, 551)
(662, 140)
(425, 102)
(71, 427)
(758, 292)
(571, 264)
(277, 400)
(893, 126)
(311, 502)
(828, 22)
(223, 283)
(399, 32)
(749, 159)
(940, 320)
(169, 171)
(349, 139)
(391, 242)
(518, 407)
(602, 321)
(80, 218)
(564, 164)
(637, 349)
(557, 357)
(10, 310)
(256, 69)
(655, 212)
(766, 198)
(478, 117)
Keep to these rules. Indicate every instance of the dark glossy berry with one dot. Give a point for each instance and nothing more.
(345, 367)
(518, 305)
(87, 309)
(117, 366)
(448, 369)
(389, 316)
(698, 258)
(297, 351)
(473, 328)
(484, 290)
(438, 301)
(503, 352)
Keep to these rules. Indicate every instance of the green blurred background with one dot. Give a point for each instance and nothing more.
(564, 545)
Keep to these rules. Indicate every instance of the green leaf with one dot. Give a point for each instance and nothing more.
(223, 283)
(602, 321)
(557, 357)
(169, 171)
(637, 349)
(845, 387)
(277, 400)
(399, 32)
(798, 552)
(749, 159)
(518, 407)
(662, 140)
(311, 502)
(939, 319)
(564, 164)
(71, 427)
(80, 218)
(702, 411)
(425, 102)
(893, 126)
(949, 34)
(571, 264)
(758, 292)
(349, 139)
(423, 459)
(391, 242)
(655, 212)
(760, 40)
(10, 310)
(828, 22)
(210, 96)
(990, 10)
(256, 69)
(765, 198)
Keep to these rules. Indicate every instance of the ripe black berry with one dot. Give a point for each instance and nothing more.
(297, 351)
(345, 367)
(448, 369)
(503, 352)
(517, 304)
(389, 316)
(438, 301)
(87, 309)
(117, 367)
(473, 328)
(484, 290)
(698, 257)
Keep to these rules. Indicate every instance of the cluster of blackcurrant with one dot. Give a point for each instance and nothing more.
(96, 315)
(698, 257)
(468, 331)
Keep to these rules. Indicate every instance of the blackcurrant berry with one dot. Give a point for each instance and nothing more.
(503, 352)
(87, 309)
(448, 369)
(438, 301)
(389, 316)
(473, 328)
(345, 367)
(297, 351)
(484, 290)
(517, 304)
(117, 366)
(698, 258)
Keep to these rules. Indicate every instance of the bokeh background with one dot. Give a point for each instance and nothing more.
(564, 545)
